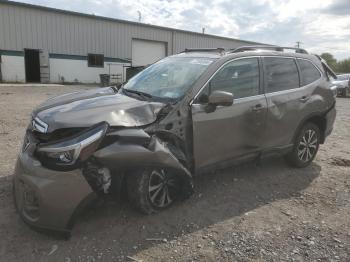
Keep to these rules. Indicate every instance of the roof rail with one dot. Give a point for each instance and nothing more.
(264, 47)
(217, 49)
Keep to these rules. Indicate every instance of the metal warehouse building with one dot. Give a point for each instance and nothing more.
(40, 44)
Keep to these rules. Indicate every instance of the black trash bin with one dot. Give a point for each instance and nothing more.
(131, 71)
(105, 79)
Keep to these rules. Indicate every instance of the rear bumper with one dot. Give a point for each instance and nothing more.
(49, 199)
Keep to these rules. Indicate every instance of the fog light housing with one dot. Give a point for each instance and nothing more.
(30, 203)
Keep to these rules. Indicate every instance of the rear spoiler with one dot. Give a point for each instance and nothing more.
(326, 68)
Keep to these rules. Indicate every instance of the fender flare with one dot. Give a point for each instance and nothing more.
(307, 119)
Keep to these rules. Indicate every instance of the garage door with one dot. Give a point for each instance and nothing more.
(146, 52)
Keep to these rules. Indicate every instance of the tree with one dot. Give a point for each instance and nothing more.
(343, 66)
(331, 61)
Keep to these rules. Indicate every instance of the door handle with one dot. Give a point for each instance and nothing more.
(257, 107)
(304, 99)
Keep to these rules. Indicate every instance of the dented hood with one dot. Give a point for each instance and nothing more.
(84, 109)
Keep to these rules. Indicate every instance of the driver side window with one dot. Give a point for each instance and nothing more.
(239, 77)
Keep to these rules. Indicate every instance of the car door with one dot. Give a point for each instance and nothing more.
(281, 83)
(228, 132)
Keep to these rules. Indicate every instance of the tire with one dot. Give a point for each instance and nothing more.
(344, 93)
(305, 147)
(152, 190)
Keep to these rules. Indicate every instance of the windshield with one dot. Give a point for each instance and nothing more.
(342, 77)
(170, 77)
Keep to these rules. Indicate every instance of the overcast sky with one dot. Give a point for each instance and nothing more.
(321, 25)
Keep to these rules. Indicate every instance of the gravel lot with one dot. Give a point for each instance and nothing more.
(262, 213)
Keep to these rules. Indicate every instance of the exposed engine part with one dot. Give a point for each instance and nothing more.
(99, 178)
(106, 179)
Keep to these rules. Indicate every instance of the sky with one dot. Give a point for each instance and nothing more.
(320, 25)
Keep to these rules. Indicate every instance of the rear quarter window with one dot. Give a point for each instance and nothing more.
(280, 74)
(308, 72)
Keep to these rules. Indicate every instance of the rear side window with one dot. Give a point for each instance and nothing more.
(280, 74)
(308, 72)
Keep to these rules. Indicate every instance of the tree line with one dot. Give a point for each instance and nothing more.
(342, 66)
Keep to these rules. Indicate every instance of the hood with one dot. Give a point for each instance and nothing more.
(84, 109)
(339, 81)
(340, 84)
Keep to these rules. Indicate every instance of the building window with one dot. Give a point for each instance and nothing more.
(95, 60)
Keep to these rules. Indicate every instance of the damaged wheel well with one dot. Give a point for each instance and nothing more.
(176, 146)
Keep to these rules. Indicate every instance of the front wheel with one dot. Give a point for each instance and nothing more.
(305, 147)
(344, 92)
(153, 190)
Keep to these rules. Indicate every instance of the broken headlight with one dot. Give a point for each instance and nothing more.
(69, 152)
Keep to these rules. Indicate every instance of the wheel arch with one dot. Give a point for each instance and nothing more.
(319, 120)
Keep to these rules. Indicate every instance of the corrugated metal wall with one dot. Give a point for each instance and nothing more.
(65, 33)
(184, 40)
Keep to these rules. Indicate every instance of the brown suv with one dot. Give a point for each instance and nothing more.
(180, 117)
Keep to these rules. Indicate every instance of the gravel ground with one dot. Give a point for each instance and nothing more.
(261, 213)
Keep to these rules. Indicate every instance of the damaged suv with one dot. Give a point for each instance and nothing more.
(184, 115)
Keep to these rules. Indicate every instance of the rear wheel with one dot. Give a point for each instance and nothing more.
(153, 190)
(305, 147)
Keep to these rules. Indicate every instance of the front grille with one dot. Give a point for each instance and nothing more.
(39, 125)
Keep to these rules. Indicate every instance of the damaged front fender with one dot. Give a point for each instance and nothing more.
(134, 148)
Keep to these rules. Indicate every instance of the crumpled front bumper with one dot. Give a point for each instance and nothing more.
(49, 199)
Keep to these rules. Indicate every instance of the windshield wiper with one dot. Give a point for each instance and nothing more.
(117, 87)
(139, 93)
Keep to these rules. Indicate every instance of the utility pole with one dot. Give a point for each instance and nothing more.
(140, 16)
(298, 44)
(203, 30)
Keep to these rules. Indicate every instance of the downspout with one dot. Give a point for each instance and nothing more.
(0, 67)
(172, 42)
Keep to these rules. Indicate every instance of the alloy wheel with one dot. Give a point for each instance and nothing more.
(308, 145)
(161, 189)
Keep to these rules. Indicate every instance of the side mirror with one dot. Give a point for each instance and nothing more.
(220, 98)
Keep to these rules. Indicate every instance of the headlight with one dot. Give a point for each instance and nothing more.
(75, 149)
